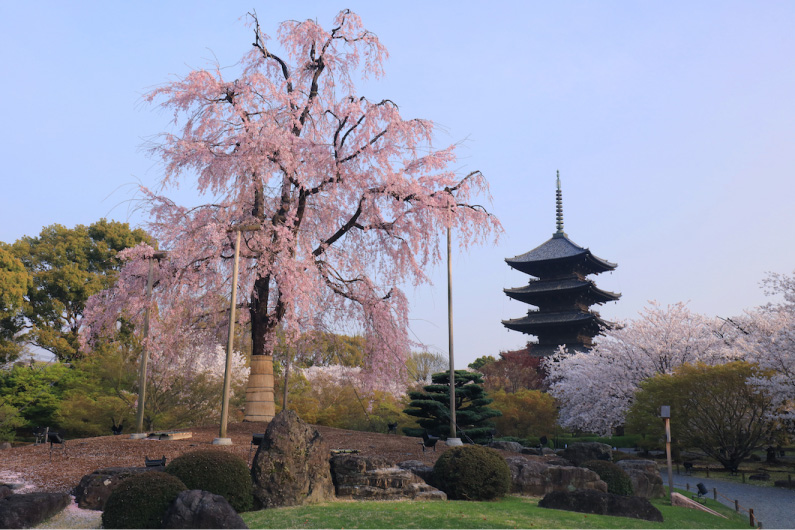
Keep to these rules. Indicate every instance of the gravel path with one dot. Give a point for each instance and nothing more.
(774, 507)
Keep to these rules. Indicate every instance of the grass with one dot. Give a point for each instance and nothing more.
(510, 512)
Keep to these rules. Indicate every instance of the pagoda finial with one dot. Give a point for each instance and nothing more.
(559, 209)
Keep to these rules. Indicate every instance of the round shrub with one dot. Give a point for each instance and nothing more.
(218, 472)
(617, 480)
(472, 473)
(141, 500)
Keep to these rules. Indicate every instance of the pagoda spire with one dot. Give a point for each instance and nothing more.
(559, 210)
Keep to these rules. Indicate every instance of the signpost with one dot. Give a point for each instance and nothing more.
(665, 414)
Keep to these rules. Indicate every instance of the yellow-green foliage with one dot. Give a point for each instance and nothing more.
(338, 405)
(525, 413)
(709, 405)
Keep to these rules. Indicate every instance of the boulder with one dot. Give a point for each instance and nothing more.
(201, 509)
(94, 489)
(26, 510)
(375, 478)
(645, 476)
(5, 445)
(422, 470)
(291, 466)
(580, 452)
(514, 447)
(536, 479)
(5, 491)
(601, 503)
(530, 451)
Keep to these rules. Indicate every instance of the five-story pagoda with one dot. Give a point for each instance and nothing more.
(561, 291)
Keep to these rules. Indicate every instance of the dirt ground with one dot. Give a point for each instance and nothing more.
(33, 465)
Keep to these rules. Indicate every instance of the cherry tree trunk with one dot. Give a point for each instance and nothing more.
(260, 405)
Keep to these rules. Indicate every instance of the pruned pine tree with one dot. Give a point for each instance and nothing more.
(432, 407)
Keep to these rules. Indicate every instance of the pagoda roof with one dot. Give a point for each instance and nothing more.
(556, 250)
(540, 288)
(540, 320)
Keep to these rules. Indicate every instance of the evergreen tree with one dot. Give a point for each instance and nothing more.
(432, 407)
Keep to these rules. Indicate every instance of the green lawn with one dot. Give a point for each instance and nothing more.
(511, 512)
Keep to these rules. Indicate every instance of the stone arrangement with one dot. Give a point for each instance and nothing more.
(294, 466)
(291, 465)
(601, 503)
(30, 509)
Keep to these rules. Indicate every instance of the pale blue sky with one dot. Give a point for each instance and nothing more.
(671, 124)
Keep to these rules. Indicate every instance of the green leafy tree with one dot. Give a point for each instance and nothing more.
(66, 266)
(14, 281)
(713, 408)
(432, 406)
(482, 361)
(36, 390)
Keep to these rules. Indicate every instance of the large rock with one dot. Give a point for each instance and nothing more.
(580, 452)
(645, 476)
(94, 489)
(536, 479)
(375, 478)
(514, 447)
(5, 491)
(26, 510)
(600, 503)
(291, 466)
(419, 468)
(201, 509)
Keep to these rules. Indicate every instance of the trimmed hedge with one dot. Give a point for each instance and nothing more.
(141, 500)
(218, 472)
(617, 480)
(472, 473)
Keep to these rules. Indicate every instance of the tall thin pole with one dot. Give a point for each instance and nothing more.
(450, 332)
(139, 417)
(222, 439)
(668, 457)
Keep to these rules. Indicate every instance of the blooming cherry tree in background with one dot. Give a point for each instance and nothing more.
(767, 337)
(596, 388)
(342, 197)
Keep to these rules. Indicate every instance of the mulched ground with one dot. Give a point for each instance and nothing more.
(31, 464)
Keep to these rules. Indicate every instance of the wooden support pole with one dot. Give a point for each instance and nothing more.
(668, 457)
(715, 493)
(142, 372)
(222, 439)
(736, 506)
(751, 517)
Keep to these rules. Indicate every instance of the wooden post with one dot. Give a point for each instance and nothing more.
(139, 416)
(707, 470)
(715, 493)
(743, 477)
(687, 486)
(665, 413)
(736, 506)
(222, 439)
(751, 517)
